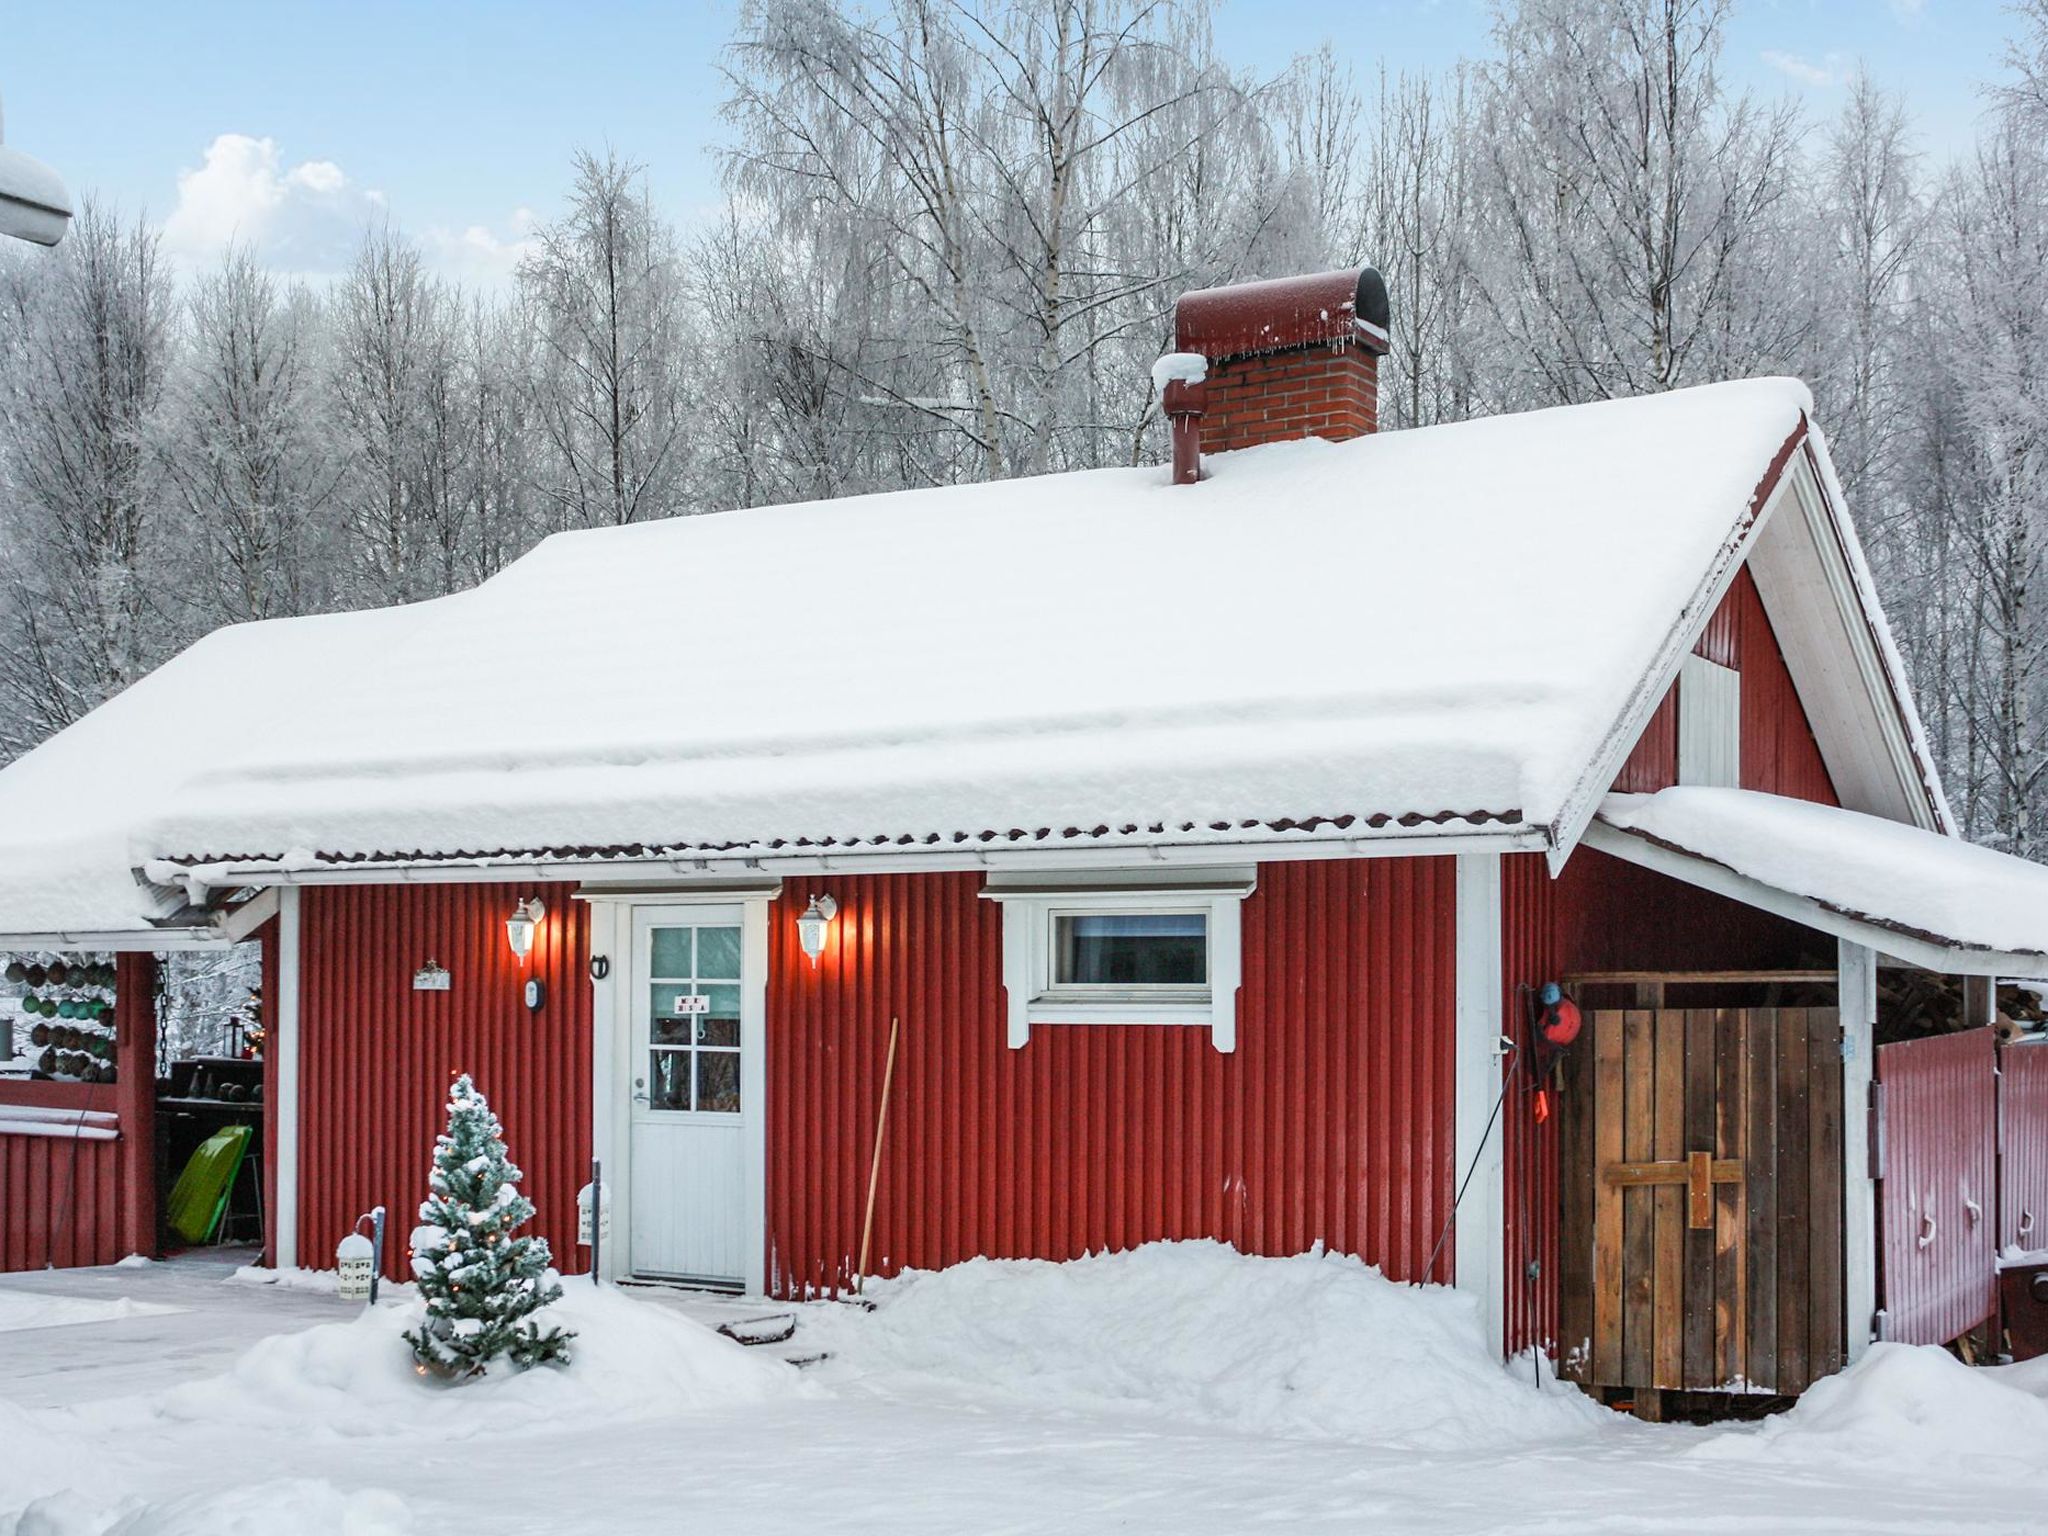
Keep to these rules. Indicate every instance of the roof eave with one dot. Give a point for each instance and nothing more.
(1931, 952)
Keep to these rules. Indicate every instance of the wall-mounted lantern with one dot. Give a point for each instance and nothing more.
(810, 928)
(521, 926)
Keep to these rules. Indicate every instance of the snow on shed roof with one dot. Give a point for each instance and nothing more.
(1442, 624)
(1915, 884)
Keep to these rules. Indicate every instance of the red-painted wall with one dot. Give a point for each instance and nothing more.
(1332, 1121)
(1603, 914)
(376, 1057)
(60, 1198)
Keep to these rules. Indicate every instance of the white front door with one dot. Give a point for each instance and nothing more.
(693, 1031)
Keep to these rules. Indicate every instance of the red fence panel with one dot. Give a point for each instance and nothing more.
(2023, 1147)
(1937, 1163)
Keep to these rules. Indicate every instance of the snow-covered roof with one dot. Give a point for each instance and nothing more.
(1433, 630)
(1926, 895)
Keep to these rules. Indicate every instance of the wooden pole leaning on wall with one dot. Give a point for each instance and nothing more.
(867, 1225)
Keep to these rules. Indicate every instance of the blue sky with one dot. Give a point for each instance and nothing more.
(294, 122)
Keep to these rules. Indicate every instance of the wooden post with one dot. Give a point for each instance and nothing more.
(135, 1098)
(1858, 1003)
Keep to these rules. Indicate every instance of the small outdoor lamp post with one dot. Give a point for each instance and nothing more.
(33, 202)
(810, 928)
(521, 926)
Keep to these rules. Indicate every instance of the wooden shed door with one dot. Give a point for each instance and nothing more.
(1703, 1199)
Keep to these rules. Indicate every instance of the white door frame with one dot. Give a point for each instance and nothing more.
(613, 920)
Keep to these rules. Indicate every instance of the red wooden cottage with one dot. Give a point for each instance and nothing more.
(1210, 832)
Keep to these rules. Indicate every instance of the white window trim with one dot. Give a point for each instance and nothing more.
(1030, 905)
(1709, 724)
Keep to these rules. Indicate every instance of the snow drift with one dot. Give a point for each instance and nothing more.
(1909, 1407)
(1318, 1345)
(631, 1360)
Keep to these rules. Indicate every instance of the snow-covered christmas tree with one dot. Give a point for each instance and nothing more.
(481, 1284)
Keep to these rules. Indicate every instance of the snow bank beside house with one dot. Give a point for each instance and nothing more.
(1921, 882)
(1318, 1345)
(631, 1360)
(1909, 1407)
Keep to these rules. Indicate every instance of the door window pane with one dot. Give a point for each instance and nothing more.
(669, 1032)
(724, 1002)
(1142, 949)
(668, 1080)
(724, 1032)
(672, 952)
(718, 954)
(718, 1081)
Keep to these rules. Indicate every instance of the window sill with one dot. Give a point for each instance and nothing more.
(1183, 1010)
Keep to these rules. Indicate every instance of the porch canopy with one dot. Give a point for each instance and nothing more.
(1930, 900)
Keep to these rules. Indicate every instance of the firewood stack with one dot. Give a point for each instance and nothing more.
(1912, 1005)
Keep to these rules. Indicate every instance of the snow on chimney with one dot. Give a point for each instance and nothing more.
(1293, 357)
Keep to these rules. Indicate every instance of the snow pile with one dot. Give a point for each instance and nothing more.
(1317, 1345)
(303, 1507)
(631, 1360)
(1861, 865)
(1178, 368)
(26, 1309)
(1909, 1407)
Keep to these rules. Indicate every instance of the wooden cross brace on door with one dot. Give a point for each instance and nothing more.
(1699, 1173)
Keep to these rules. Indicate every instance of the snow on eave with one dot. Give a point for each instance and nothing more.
(1566, 831)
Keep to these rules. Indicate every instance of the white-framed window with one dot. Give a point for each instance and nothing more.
(1156, 947)
(1709, 724)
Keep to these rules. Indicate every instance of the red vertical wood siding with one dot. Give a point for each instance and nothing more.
(1779, 753)
(1937, 1158)
(2023, 1147)
(376, 1057)
(1530, 956)
(61, 1198)
(135, 1094)
(1331, 1123)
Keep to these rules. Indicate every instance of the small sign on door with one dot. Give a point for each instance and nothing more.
(687, 1004)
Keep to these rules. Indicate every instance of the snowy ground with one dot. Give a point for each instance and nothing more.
(1179, 1390)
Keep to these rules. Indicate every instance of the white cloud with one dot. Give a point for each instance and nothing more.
(478, 256)
(303, 219)
(1805, 71)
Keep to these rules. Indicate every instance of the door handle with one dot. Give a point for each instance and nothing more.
(639, 1098)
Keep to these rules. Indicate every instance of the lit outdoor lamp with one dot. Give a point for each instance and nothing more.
(33, 203)
(521, 926)
(810, 928)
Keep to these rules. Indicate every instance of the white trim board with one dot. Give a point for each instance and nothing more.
(1479, 1239)
(286, 1107)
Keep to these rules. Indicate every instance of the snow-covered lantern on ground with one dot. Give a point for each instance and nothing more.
(812, 926)
(522, 925)
(355, 1261)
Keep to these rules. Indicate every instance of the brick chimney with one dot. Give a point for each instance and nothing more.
(1293, 357)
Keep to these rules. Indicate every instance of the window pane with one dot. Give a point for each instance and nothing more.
(718, 1081)
(672, 952)
(718, 953)
(668, 1000)
(718, 1032)
(668, 1079)
(669, 1032)
(1144, 949)
(724, 1002)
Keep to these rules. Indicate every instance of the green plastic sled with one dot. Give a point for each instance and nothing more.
(200, 1197)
